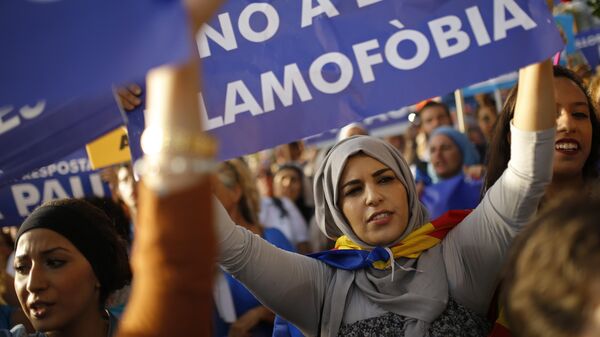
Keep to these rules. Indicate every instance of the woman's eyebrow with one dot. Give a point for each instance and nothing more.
(44, 252)
(380, 172)
(374, 174)
(351, 182)
(55, 249)
(578, 104)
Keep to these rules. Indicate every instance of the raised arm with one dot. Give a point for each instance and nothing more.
(474, 252)
(535, 109)
(174, 251)
(291, 285)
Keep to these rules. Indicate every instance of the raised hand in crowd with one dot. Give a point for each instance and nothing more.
(173, 255)
(129, 96)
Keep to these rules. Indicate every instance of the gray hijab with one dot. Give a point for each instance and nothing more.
(419, 290)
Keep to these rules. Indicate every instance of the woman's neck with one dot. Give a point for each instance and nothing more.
(94, 324)
(563, 185)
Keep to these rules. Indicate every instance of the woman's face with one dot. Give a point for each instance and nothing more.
(445, 156)
(485, 119)
(287, 183)
(373, 200)
(574, 129)
(433, 117)
(55, 283)
(127, 187)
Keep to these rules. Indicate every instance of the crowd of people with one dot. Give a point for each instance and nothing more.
(433, 232)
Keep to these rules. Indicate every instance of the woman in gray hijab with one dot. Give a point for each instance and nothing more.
(435, 284)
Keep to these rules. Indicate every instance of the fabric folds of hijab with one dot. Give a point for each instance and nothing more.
(420, 287)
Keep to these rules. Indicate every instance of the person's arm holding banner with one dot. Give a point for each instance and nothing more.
(129, 96)
(480, 243)
(173, 256)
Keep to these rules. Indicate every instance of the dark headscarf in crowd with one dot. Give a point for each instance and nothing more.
(90, 230)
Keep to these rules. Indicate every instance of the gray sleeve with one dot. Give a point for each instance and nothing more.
(475, 250)
(291, 285)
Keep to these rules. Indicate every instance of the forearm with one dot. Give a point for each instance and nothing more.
(174, 254)
(172, 98)
(274, 276)
(535, 108)
(474, 252)
(172, 260)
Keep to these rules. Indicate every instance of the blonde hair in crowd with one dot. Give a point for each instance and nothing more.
(235, 172)
(552, 278)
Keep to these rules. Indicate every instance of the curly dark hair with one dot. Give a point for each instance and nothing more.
(499, 149)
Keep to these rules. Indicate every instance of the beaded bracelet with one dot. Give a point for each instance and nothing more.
(177, 165)
(155, 142)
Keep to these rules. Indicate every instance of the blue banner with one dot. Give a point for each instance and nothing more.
(589, 44)
(274, 71)
(69, 177)
(388, 124)
(498, 83)
(279, 71)
(58, 49)
(32, 136)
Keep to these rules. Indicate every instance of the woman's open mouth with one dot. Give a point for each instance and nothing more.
(567, 146)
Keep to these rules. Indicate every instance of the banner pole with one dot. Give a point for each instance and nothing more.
(498, 99)
(460, 110)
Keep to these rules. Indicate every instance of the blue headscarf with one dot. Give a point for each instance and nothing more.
(469, 153)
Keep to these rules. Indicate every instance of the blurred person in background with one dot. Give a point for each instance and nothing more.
(127, 188)
(282, 214)
(577, 139)
(576, 149)
(291, 152)
(10, 310)
(450, 153)
(486, 119)
(431, 116)
(264, 179)
(477, 138)
(352, 129)
(238, 194)
(122, 225)
(552, 281)
(289, 182)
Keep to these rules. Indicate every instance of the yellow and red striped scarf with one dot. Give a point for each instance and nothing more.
(418, 241)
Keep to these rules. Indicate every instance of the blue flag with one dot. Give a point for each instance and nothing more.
(589, 44)
(458, 192)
